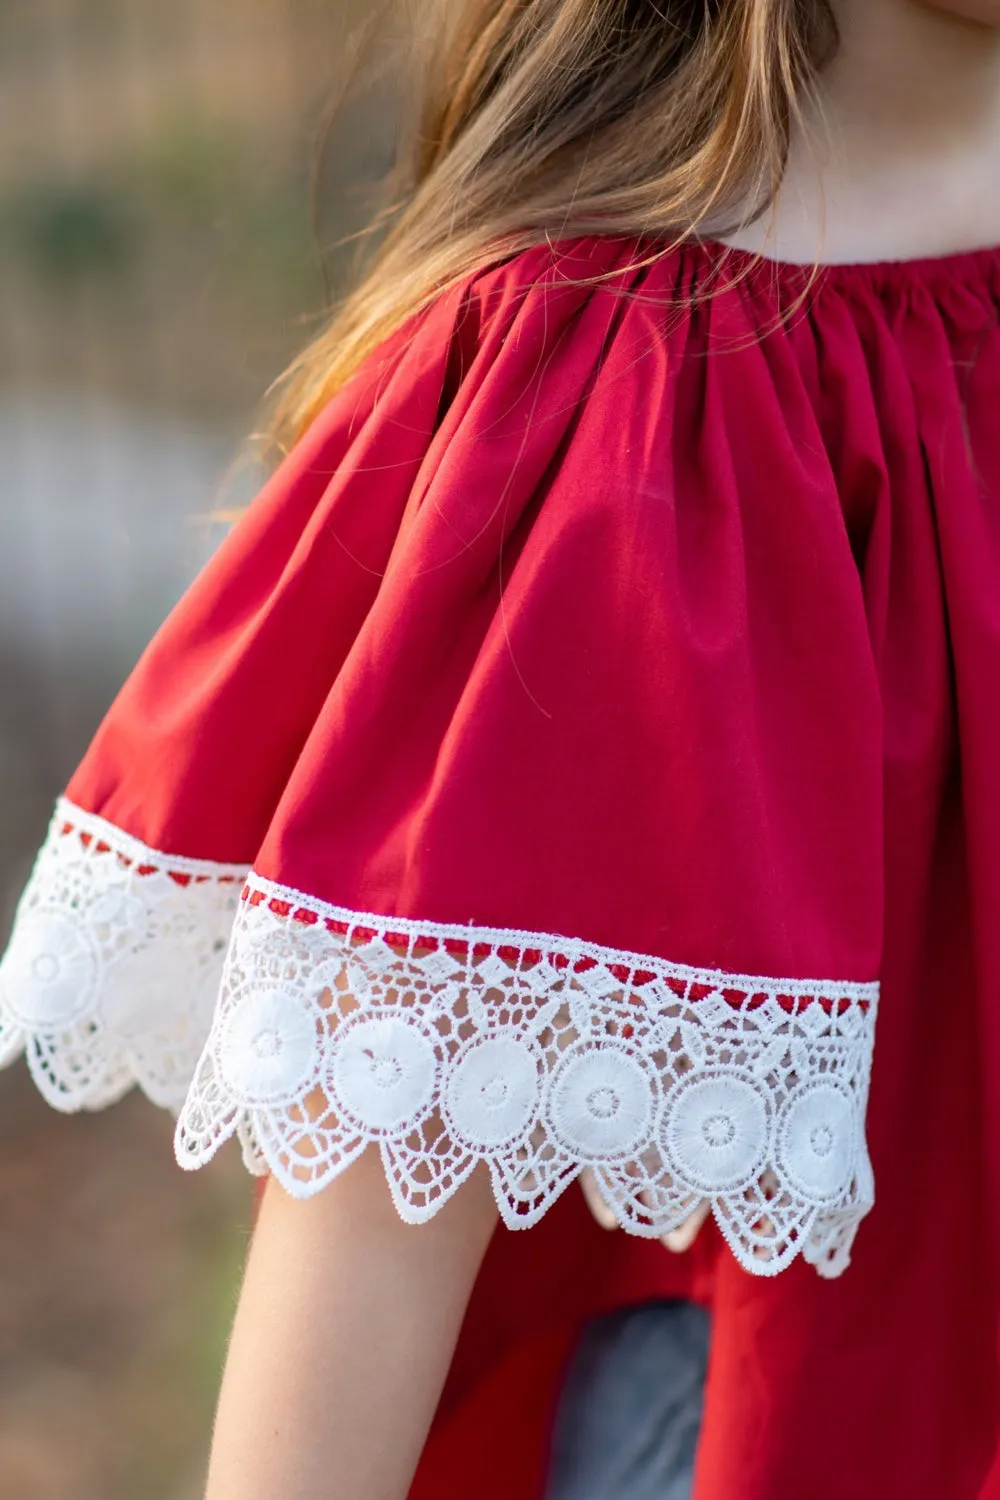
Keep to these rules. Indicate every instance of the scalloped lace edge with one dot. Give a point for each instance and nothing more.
(112, 971)
(312, 1032)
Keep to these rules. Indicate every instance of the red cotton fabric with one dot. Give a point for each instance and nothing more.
(663, 611)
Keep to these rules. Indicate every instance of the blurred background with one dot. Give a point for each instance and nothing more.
(158, 266)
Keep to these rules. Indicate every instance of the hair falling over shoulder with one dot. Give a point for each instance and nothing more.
(542, 119)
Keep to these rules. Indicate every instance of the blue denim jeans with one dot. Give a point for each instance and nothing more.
(629, 1414)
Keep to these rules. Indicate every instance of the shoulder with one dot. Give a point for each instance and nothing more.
(537, 325)
(632, 353)
(536, 291)
(558, 266)
(519, 335)
(546, 286)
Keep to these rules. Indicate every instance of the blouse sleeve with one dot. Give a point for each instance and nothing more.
(507, 789)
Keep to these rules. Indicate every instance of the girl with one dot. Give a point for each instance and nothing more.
(602, 694)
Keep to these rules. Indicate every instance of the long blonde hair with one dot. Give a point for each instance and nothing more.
(540, 119)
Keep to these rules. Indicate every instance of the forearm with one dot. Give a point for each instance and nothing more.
(345, 1329)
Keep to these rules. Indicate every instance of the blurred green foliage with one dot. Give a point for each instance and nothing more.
(192, 190)
(61, 229)
(192, 171)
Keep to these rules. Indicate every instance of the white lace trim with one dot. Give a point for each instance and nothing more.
(443, 1045)
(113, 968)
(538, 1055)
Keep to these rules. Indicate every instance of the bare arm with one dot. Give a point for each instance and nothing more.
(345, 1329)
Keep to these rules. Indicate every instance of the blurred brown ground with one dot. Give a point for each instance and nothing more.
(157, 268)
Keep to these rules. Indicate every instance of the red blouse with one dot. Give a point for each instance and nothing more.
(603, 701)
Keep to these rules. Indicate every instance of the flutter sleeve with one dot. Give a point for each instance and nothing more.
(507, 789)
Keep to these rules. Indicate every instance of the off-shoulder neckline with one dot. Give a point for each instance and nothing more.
(949, 266)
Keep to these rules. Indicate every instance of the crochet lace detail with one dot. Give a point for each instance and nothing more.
(113, 968)
(329, 1031)
(539, 1055)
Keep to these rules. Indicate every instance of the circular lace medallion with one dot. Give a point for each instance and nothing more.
(268, 1048)
(383, 1071)
(118, 909)
(602, 1102)
(816, 1135)
(716, 1131)
(49, 972)
(492, 1091)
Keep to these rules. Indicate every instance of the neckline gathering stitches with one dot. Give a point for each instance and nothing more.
(976, 265)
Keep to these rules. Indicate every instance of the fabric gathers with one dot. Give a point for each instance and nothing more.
(582, 755)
